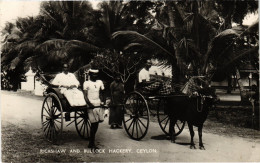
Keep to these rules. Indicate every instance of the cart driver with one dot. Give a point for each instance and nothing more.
(68, 85)
(152, 86)
(93, 94)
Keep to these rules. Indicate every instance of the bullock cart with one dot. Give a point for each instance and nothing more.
(169, 110)
(140, 109)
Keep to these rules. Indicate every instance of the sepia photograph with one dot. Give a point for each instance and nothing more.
(130, 81)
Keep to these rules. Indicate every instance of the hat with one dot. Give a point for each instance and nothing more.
(93, 71)
(148, 62)
(65, 65)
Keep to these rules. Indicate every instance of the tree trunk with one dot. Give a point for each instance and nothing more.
(170, 13)
(240, 85)
(195, 10)
(228, 18)
(175, 68)
(229, 85)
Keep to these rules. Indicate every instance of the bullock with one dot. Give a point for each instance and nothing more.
(192, 108)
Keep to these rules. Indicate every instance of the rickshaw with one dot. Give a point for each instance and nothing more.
(56, 109)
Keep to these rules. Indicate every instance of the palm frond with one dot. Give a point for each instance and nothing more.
(49, 45)
(15, 62)
(135, 37)
(82, 45)
(57, 51)
(31, 45)
(131, 45)
(252, 28)
(240, 54)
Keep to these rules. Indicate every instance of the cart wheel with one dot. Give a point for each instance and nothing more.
(164, 120)
(52, 118)
(136, 116)
(82, 124)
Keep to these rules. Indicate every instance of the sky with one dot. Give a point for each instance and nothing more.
(11, 10)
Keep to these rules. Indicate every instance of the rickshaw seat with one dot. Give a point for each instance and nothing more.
(56, 91)
(64, 102)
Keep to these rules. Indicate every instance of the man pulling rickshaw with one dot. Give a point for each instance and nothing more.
(64, 95)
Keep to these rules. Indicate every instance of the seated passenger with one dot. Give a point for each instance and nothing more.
(68, 85)
(152, 86)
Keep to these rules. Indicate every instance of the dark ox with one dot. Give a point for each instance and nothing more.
(193, 109)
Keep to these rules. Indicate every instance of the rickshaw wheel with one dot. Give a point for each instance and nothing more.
(136, 116)
(52, 118)
(82, 124)
(164, 120)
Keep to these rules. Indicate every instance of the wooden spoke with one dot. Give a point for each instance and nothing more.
(57, 126)
(52, 110)
(164, 119)
(47, 104)
(136, 128)
(82, 124)
(178, 126)
(128, 120)
(142, 123)
(47, 111)
(46, 116)
(140, 127)
(70, 123)
(130, 125)
(84, 128)
(48, 130)
(55, 110)
(48, 124)
(136, 108)
(79, 121)
(57, 121)
(133, 127)
(45, 123)
(166, 123)
(58, 114)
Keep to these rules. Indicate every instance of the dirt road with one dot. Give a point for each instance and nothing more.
(22, 140)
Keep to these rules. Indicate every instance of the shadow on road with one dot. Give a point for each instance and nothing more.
(160, 137)
(165, 137)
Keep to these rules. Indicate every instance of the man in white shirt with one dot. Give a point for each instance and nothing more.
(93, 95)
(144, 75)
(68, 85)
(147, 84)
(152, 86)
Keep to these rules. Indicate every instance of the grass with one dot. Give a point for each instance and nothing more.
(19, 145)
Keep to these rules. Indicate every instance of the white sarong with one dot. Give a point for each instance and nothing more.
(75, 97)
(96, 114)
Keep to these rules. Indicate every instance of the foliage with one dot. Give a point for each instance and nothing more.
(30, 42)
(113, 63)
(193, 36)
(63, 17)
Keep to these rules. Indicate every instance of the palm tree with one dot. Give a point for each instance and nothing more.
(112, 16)
(49, 35)
(193, 32)
(12, 52)
(67, 19)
